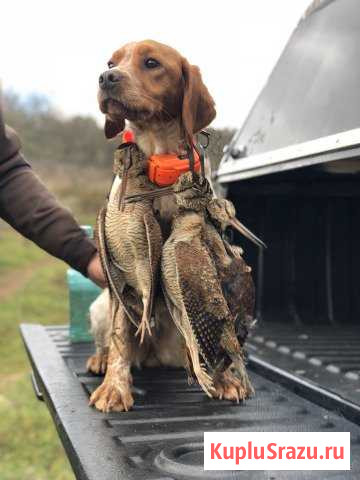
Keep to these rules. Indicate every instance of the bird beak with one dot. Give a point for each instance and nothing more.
(137, 197)
(122, 187)
(235, 223)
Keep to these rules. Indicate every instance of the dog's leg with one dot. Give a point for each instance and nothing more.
(233, 384)
(167, 344)
(100, 321)
(114, 394)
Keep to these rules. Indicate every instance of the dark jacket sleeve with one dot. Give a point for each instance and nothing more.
(32, 210)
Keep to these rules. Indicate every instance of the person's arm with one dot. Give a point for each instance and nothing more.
(27, 205)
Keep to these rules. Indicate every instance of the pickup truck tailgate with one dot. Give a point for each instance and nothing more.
(161, 438)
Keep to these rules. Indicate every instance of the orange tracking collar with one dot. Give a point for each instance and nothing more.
(165, 169)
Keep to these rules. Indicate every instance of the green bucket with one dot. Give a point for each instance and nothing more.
(82, 292)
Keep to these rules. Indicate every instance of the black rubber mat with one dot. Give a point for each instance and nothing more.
(329, 356)
(161, 438)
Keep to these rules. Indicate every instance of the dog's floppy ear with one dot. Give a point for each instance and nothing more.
(198, 108)
(113, 126)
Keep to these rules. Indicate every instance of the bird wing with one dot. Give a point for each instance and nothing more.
(154, 241)
(239, 291)
(113, 274)
(238, 286)
(203, 299)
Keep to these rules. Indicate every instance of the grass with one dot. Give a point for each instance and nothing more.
(32, 290)
(18, 254)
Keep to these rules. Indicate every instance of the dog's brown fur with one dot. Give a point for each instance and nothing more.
(165, 106)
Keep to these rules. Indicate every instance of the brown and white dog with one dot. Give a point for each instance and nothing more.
(165, 101)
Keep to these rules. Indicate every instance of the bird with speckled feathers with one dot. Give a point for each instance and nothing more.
(196, 273)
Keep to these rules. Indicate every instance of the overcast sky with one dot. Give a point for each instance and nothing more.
(59, 48)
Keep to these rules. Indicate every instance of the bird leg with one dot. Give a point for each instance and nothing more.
(145, 320)
(114, 394)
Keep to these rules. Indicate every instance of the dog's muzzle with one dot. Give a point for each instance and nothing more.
(109, 79)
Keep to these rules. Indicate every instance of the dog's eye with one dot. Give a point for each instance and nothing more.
(111, 64)
(151, 63)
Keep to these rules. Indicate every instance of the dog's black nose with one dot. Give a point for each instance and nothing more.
(109, 79)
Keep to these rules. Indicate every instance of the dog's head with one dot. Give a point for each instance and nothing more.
(148, 81)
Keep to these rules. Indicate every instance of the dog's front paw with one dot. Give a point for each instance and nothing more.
(112, 397)
(97, 363)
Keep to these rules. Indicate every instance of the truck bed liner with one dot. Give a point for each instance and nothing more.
(328, 356)
(161, 438)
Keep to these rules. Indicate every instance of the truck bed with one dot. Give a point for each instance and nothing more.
(161, 438)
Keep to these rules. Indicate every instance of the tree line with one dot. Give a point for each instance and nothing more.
(49, 138)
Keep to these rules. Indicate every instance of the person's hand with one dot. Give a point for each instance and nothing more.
(95, 271)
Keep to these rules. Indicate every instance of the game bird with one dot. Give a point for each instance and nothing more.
(130, 238)
(194, 288)
(235, 274)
